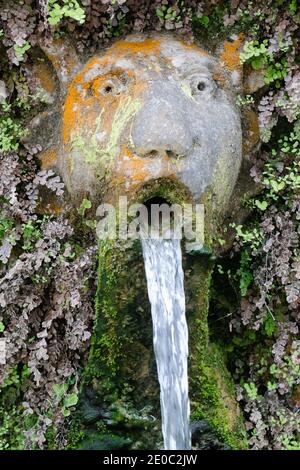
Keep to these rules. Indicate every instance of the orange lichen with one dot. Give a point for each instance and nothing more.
(70, 116)
(79, 110)
(45, 77)
(230, 55)
(125, 151)
(146, 47)
(220, 78)
(194, 47)
(48, 158)
(86, 100)
(131, 167)
(132, 170)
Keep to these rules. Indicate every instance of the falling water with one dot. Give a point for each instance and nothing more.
(163, 265)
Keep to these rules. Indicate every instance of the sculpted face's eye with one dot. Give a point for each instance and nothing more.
(202, 86)
(114, 85)
(109, 87)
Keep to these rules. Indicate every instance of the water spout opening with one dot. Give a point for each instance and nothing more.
(154, 202)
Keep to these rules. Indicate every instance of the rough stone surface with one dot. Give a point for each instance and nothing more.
(150, 108)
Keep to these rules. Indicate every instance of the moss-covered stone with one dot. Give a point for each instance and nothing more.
(212, 393)
(120, 387)
(119, 384)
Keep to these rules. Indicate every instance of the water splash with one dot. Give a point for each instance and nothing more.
(163, 266)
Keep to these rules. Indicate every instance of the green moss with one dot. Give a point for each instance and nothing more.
(122, 341)
(120, 378)
(114, 330)
(216, 399)
(51, 438)
(212, 392)
(75, 435)
(171, 190)
(11, 428)
(99, 441)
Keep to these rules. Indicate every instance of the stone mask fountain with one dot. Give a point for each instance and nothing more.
(151, 116)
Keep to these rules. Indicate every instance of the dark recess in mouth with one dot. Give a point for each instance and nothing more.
(154, 200)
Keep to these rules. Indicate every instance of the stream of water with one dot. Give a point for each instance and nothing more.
(163, 266)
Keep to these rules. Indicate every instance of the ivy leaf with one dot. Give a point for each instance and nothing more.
(293, 7)
(258, 63)
(277, 186)
(86, 204)
(251, 390)
(204, 21)
(261, 205)
(60, 390)
(71, 400)
(55, 15)
(270, 326)
(20, 50)
(65, 412)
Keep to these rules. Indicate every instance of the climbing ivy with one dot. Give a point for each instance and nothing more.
(42, 258)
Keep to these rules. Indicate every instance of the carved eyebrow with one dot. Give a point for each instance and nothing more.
(198, 71)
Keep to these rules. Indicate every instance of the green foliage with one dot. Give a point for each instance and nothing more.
(167, 13)
(172, 15)
(293, 7)
(203, 21)
(10, 132)
(274, 184)
(255, 53)
(12, 421)
(21, 50)
(290, 443)
(244, 272)
(280, 186)
(258, 56)
(5, 226)
(66, 400)
(270, 326)
(31, 233)
(261, 205)
(75, 434)
(244, 100)
(214, 400)
(86, 223)
(11, 436)
(251, 390)
(210, 23)
(70, 400)
(60, 390)
(276, 71)
(85, 204)
(251, 237)
(65, 9)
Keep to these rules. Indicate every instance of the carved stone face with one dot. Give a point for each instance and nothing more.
(151, 108)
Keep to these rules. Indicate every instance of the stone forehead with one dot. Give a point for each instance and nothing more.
(135, 52)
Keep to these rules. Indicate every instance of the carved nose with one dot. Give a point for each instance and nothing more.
(162, 124)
